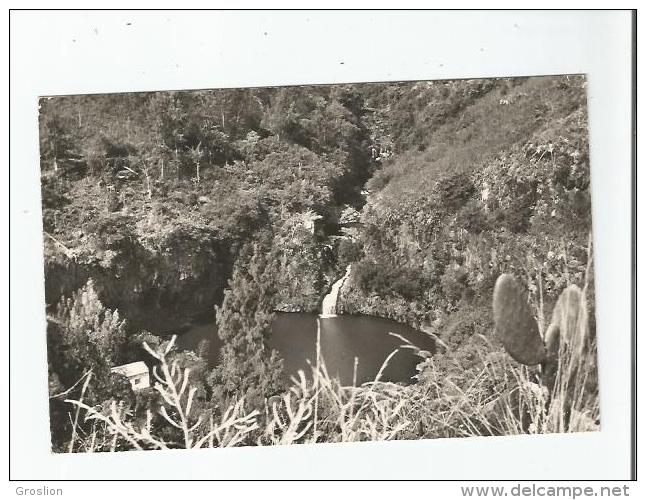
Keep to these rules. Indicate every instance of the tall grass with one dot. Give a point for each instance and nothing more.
(559, 396)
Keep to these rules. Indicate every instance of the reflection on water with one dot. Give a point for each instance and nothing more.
(342, 339)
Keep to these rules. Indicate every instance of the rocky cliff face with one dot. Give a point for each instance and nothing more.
(156, 291)
(164, 285)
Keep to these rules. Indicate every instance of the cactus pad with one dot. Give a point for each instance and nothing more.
(515, 324)
(566, 324)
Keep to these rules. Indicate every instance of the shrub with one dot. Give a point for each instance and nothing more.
(454, 283)
(115, 425)
(349, 251)
(455, 191)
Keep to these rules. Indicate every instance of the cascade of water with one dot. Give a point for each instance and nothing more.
(328, 309)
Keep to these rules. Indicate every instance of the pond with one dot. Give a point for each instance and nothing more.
(342, 339)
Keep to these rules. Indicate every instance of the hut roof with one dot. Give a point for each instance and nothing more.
(131, 369)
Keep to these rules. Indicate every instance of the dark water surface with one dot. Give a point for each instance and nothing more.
(342, 338)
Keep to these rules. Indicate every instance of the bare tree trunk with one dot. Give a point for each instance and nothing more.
(68, 253)
(149, 190)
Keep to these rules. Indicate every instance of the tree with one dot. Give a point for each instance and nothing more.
(82, 337)
(196, 153)
(248, 367)
(56, 141)
(93, 333)
(168, 123)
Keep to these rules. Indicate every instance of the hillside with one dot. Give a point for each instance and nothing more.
(502, 184)
(155, 196)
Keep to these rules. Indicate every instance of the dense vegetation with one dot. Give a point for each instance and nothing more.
(162, 206)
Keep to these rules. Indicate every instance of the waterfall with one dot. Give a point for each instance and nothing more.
(328, 309)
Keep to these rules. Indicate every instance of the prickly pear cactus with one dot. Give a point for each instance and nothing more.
(566, 333)
(566, 321)
(515, 324)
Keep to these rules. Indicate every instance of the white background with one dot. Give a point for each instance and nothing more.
(81, 52)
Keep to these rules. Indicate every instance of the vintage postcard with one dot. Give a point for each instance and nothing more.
(314, 264)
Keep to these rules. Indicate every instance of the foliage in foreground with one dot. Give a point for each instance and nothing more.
(500, 398)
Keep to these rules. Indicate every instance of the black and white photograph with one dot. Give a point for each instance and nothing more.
(392, 251)
(318, 264)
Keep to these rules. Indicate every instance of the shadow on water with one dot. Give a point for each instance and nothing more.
(342, 339)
